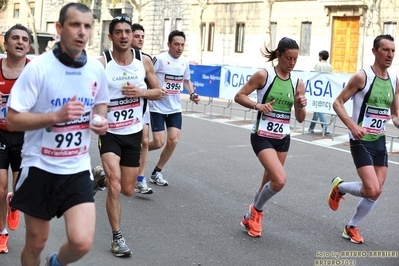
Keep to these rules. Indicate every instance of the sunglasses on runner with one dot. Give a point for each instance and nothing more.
(116, 20)
(121, 18)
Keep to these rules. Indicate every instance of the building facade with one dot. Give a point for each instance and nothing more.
(233, 32)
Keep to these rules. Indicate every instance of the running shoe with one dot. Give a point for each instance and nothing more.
(12, 214)
(143, 188)
(352, 233)
(254, 223)
(119, 248)
(49, 259)
(334, 196)
(98, 173)
(158, 179)
(4, 243)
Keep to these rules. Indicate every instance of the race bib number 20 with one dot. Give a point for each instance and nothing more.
(375, 119)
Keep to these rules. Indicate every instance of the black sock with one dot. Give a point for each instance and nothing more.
(116, 234)
(156, 169)
(101, 182)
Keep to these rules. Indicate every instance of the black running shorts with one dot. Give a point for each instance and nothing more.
(369, 152)
(261, 143)
(10, 149)
(44, 195)
(127, 147)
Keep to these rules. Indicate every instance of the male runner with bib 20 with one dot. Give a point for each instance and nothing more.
(375, 93)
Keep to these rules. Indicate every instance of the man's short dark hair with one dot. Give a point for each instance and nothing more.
(377, 40)
(116, 20)
(18, 27)
(64, 11)
(324, 55)
(175, 33)
(137, 26)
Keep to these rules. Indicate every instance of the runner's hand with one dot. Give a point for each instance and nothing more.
(70, 111)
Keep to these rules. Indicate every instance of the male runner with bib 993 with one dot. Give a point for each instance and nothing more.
(53, 101)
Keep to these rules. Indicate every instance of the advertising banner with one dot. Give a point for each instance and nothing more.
(321, 88)
(232, 79)
(206, 80)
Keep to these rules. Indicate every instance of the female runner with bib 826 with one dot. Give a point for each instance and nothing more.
(277, 91)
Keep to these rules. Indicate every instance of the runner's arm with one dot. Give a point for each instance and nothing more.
(154, 91)
(355, 83)
(395, 106)
(300, 102)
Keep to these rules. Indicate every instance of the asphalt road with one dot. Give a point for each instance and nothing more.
(213, 175)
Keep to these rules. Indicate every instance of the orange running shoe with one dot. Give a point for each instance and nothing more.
(4, 243)
(334, 197)
(352, 233)
(12, 214)
(254, 223)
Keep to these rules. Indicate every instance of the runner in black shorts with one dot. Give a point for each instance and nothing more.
(57, 118)
(375, 94)
(277, 92)
(120, 147)
(17, 42)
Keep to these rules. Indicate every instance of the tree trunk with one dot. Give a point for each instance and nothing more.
(34, 32)
(203, 5)
(268, 27)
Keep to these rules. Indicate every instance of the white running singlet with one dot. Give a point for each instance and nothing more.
(125, 115)
(171, 73)
(44, 86)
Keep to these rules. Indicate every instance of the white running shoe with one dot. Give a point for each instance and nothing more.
(158, 179)
(143, 188)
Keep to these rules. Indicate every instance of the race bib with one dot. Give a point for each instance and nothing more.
(375, 119)
(67, 139)
(3, 113)
(121, 112)
(275, 125)
(173, 83)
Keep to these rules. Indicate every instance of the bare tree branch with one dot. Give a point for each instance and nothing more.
(34, 32)
(3, 5)
(203, 5)
(138, 7)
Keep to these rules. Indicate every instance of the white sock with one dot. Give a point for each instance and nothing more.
(363, 208)
(265, 194)
(352, 188)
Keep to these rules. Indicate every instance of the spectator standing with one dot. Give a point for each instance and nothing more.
(322, 66)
